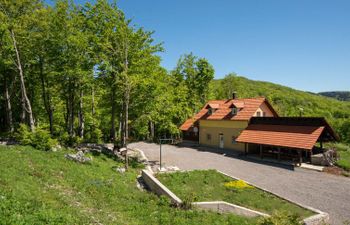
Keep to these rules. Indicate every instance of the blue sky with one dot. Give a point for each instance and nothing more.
(304, 44)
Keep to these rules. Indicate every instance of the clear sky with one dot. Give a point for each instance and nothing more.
(304, 44)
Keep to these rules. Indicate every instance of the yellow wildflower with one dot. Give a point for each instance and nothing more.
(239, 184)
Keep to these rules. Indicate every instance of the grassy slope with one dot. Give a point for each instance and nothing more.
(286, 100)
(44, 188)
(208, 185)
(344, 161)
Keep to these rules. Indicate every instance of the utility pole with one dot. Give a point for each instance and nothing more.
(160, 150)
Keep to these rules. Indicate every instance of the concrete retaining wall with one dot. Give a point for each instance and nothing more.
(157, 187)
(219, 206)
(225, 207)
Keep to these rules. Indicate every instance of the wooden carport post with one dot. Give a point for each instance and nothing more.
(300, 157)
(261, 152)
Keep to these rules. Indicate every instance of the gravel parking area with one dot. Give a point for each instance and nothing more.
(323, 191)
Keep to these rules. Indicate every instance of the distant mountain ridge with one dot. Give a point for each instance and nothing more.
(340, 95)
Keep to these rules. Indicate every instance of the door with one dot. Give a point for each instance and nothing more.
(221, 140)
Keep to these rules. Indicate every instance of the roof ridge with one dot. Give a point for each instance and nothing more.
(229, 99)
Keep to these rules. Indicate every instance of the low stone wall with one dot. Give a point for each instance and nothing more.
(157, 187)
(225, 207)
(319, 159)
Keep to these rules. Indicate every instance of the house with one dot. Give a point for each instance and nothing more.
(219, 122)
(251, 125)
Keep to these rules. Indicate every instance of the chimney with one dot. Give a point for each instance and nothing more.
(234, 95)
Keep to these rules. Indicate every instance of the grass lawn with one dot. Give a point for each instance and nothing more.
(209, 185)
(39, 187)
(344, 161)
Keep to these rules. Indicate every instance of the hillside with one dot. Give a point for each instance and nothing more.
(340, 95)
(38, 187)
(287, 101)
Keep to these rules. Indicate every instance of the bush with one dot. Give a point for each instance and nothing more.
(68, 140)
(39, 139)
(96, 136)
(280, 218)
(187, 201)
(24, 135)
(42, 140)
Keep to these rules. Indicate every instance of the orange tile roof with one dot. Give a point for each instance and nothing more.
(300, 137)
(247, 108)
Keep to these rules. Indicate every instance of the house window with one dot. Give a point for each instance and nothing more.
(234, 111)
(208, 137)
(210, 111)
(258, 114)
(264, 114)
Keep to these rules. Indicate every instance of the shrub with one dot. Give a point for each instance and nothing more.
(96, 136)
(280, 218)
(68, 140)
(187, 201)
(39, 139)
(24, 135)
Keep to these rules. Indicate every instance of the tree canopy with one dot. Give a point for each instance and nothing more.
(87, 73)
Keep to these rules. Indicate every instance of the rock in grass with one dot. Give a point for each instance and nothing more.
(120, 169)
(79, 157)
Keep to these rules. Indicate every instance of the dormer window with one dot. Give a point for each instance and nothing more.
(258, 114)
(234, 111)
(211, 108)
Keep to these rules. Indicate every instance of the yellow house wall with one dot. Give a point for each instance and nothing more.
(228, 128)
(264, 108)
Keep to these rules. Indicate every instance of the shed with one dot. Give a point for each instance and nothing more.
(285, 133)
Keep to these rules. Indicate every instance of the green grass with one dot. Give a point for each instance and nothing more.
(344, 161)
(208, 185)
(39, 187)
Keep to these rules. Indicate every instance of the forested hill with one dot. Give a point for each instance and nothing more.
(340, 95)
(287, 101)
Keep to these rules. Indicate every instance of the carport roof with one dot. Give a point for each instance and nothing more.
(300, 137)
(292, 132)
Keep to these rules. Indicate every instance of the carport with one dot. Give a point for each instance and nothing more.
(292, 138)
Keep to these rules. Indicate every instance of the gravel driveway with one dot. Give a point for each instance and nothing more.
(323, 191)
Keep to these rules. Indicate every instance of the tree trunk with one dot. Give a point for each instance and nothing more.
(27, 106)
(70, 108)
(121, 125)
(112, 132)
(8, 107)
(46, 96)
(126, 126)
(81, 115)
(93, 106)
(151, 129)
(127, 89)
(23, 109)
